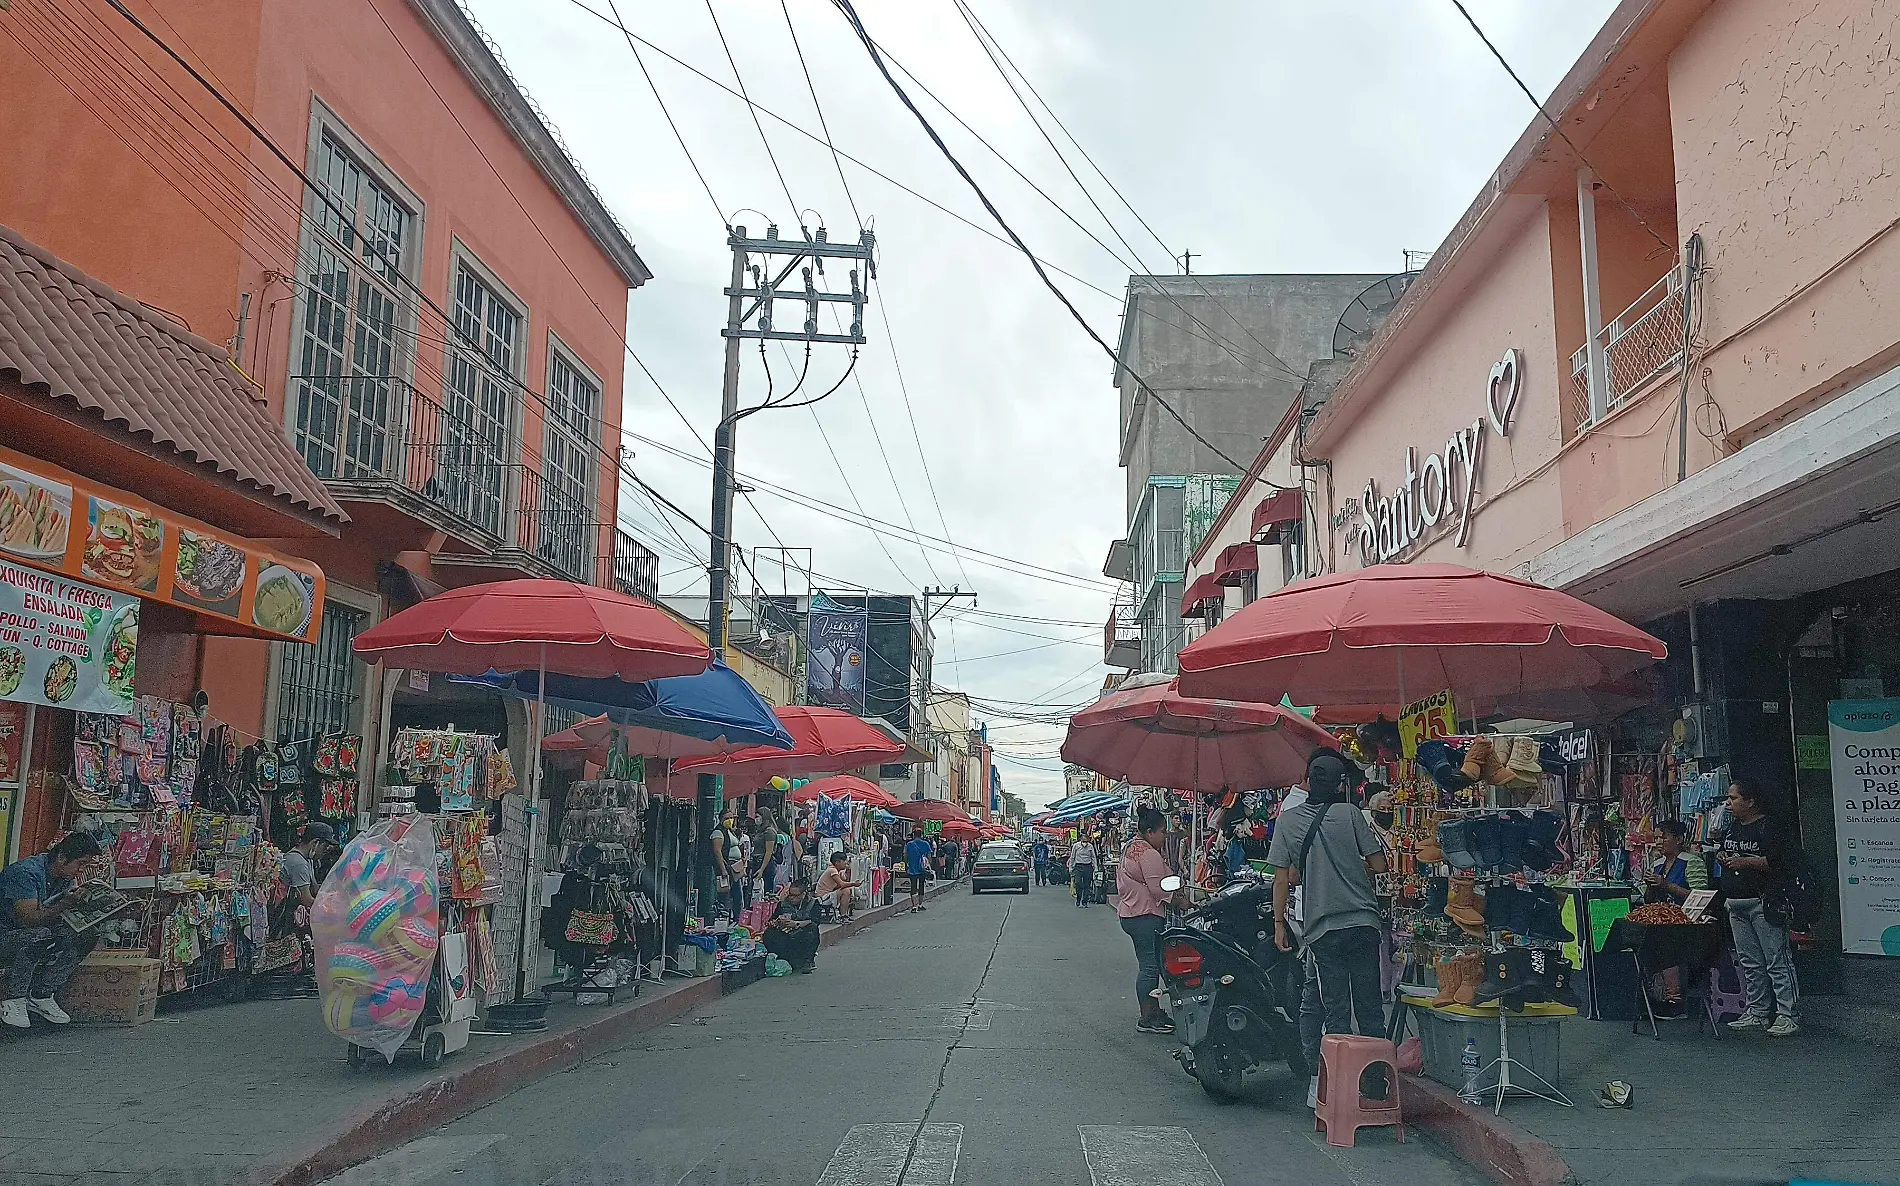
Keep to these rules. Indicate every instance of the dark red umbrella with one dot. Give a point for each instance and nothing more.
(960, 830)
(595, 736)
(536, 625)
(1393, 631)
(1151, 735)
(929, 809)
(826, 741)
(848, 786)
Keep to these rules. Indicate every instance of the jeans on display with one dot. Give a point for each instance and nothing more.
(1349, 988)
(1084, 876)
(40, 960)
(1766, 961)
(1145, 932)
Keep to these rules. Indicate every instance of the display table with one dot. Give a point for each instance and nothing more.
(1693, 947)
(1519, 1051)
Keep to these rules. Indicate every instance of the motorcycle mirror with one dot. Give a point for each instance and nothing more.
(1170, 884)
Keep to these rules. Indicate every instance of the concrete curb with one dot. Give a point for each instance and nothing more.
(456, 1093)
(1502, 1151)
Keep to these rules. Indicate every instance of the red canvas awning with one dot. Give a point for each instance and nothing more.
(1282, 506)
(1237, 562)
(1200, 591)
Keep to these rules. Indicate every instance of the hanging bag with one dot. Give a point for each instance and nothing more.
(591, 927)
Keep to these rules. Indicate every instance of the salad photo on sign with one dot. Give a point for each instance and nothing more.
(35, 515)
(66, 644)
(122, 546)
(208, 573)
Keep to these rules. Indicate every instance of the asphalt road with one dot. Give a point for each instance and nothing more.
(988, 1041)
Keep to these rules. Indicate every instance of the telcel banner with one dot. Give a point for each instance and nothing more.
(1864, 740)
(66, 644)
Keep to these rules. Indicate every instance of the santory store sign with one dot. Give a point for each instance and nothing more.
(1445, 488)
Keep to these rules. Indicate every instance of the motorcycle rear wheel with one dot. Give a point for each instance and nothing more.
(1218, 1072)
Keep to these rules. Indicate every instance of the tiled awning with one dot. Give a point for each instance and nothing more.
(1200, 591)
(71, 339)
(1282, 506)
(1237, 562)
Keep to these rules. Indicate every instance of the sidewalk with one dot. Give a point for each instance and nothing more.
(1812, 1106)
(259, 1092)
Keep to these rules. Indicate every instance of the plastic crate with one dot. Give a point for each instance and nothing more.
(1536, 1042)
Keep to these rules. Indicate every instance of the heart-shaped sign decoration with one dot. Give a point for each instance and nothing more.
(1507, 379)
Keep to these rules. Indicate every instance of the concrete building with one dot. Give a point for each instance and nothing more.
(1227, 355)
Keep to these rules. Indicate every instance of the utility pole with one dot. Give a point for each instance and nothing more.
(1187, 263)
(946, 596)
(754, 320)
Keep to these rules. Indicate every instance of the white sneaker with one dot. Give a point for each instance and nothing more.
(13, 1013)
(1748, 1021)
(1312, 1093)
(48, 1008)
(1783, 1028)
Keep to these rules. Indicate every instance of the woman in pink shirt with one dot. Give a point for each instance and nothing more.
(1142, 906)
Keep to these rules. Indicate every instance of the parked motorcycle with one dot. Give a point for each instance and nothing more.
(1233, 995)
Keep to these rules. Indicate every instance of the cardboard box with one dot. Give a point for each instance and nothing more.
(117, 988)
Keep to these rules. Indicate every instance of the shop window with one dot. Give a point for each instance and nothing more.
(348, 385)
(316, 690)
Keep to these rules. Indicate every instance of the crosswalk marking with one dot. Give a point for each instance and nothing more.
(873, 1155)
(1139, 1155)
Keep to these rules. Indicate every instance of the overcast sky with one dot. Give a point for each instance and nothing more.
(1263, 135)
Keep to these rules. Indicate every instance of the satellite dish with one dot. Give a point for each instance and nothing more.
(1368, 310)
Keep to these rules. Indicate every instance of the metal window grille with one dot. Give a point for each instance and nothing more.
(479, 429)
(350, 347)
(316, 689)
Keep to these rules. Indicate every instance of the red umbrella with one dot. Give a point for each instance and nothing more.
(595, 735)
(961, 830)
(530, 625)
(828, 740)
(1151, 735)
(847, 786)
(1367, 636)
(926, 809)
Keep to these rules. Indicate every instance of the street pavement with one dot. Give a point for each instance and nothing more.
(989, 1040)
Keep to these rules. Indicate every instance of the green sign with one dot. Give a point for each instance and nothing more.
(1811, 753)
(1603, 915)
(933, 827)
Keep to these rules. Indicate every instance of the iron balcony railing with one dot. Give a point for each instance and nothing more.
(1121, 640)
(1643, 343)
(377, 439)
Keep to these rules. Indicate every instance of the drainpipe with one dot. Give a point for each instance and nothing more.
(1695, 651)
(1595, 363)
(1691, 265)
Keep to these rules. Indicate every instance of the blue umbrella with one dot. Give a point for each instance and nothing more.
(715, 705)
(1080, 806)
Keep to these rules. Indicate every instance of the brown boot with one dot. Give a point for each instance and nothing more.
(1470, 976)
(1477, 757)
(1464, 907)
(1449, 973)
(1429, 851)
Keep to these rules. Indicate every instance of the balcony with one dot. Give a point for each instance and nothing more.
(1122, 637)
(380, 440)
(1643, 344)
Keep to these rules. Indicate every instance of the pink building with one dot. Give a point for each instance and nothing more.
(1654, 364)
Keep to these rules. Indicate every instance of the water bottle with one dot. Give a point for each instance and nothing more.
(1469, 1061)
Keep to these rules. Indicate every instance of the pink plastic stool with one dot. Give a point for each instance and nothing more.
(1343, 1058)
(1718, 1002)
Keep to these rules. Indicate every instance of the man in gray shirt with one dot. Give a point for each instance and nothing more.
(1340, 910)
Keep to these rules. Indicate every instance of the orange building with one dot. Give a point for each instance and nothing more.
(422, 299)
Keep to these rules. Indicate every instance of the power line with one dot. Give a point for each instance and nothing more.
(819, 108)
(1557, 127)
(719, 210)
(750, 109)
(877, 59)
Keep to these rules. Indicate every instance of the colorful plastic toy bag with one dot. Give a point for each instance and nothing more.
(374, 923)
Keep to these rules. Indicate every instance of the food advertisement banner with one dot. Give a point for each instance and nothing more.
(61, 524)
(1864, 737)
(66, 644)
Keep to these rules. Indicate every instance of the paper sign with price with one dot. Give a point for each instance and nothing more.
(1426, 720)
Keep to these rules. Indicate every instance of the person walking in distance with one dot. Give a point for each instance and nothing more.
(1082, 870)
(1331, 851)
(916, 861)
(1142, 906)
(1040, 854)
(1756, 861)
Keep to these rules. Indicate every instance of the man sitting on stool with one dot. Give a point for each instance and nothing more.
(38, 950)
